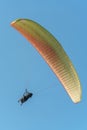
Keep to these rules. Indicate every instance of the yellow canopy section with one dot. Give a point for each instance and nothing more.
(53, 53)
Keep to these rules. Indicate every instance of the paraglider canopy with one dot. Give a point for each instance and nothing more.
(25, 97)
(53, 53)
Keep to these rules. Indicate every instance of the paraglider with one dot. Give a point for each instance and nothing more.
(25, 97)
(53, 53)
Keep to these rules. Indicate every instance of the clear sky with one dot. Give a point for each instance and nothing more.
(22, 67)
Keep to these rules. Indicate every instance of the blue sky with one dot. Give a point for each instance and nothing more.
(22, 67)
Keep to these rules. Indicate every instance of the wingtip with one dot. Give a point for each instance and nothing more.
(78, 100)
(15, 21)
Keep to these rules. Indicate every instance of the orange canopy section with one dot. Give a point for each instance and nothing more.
(53, 53)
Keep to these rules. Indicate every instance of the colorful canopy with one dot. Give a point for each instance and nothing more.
(53, 53)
